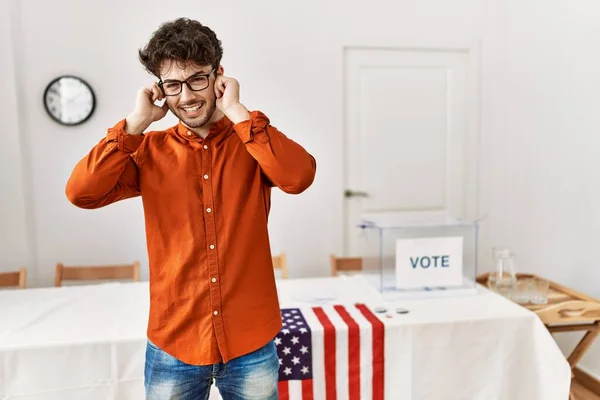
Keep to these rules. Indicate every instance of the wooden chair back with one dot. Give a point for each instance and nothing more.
(96, 272)
(280, 262)
(16, 279)
(345, 264)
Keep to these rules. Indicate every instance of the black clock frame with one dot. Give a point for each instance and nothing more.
(80, 80)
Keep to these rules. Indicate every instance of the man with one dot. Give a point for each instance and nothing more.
(205, 186)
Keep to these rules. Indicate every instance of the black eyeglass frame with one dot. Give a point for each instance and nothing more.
(160, 83)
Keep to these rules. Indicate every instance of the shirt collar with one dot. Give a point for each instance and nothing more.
(218, 127)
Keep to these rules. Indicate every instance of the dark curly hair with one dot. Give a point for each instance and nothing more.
(183, 41)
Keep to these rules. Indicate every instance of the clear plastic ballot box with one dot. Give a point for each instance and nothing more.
(420, 260)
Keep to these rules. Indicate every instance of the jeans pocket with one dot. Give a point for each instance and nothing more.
(151, 345)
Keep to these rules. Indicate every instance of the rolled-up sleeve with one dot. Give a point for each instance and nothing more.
(108, 173)
(284, 162)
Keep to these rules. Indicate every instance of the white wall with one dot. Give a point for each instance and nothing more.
(540, 72)
(15, 225)
(542, 144)
(288, 60)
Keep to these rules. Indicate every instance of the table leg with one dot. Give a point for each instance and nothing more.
(582, 347)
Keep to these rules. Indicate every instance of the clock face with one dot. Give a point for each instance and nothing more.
(69, 100)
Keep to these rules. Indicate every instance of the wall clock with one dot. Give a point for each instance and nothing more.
(69, 100)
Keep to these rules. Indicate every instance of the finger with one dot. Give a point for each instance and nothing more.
(155, 92)
(219, 86)
(147, 89)
(159, 112)
(161, 95)
(145, 92)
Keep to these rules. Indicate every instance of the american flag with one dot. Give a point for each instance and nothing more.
(331, 352)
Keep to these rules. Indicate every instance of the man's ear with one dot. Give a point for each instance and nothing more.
(220, 70)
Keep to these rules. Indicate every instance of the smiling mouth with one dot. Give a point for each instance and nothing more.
(192, 109)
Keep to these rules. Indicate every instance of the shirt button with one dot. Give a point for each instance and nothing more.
(189, 133)
(208, 210)
(212, 246)
(205, 147)
(205, 176)
(216, 313)
(214, 280)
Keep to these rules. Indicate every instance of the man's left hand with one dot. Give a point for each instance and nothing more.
(227, 91)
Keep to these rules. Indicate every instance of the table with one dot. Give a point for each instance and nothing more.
(567, 311)
(89, 343)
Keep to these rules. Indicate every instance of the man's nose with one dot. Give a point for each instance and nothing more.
(186, 93)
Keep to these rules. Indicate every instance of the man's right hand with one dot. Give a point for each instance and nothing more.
(146, 112)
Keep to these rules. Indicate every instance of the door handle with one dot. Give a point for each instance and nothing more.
(351, 193)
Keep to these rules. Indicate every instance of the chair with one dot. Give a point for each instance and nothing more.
(280, 262)
(97, 272)
(345, 264)
(14, 279)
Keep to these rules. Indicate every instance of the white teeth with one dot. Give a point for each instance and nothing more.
(191, 109)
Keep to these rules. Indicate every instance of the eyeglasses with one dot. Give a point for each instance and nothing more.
(196, 82)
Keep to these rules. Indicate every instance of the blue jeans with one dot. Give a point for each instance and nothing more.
(252, 376)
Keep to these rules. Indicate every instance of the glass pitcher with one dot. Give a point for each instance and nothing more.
(504, 279)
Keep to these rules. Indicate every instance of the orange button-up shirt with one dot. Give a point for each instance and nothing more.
(206, 204)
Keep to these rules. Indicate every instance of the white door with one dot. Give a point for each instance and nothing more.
(411, 126)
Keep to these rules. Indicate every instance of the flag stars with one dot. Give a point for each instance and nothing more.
(293, 343)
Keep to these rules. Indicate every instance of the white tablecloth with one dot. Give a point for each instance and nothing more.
(89, 343)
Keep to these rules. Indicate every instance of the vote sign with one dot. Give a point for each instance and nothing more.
(429, 262)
